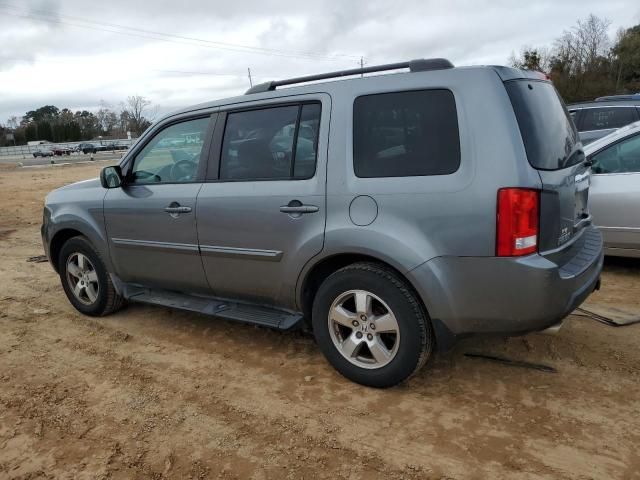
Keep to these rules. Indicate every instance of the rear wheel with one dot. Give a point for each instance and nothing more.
(85, 279)
(370, 325)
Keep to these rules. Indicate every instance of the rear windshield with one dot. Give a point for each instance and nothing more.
(549, 135)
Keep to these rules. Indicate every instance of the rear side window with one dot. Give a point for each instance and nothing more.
(607, 117)
(549, 135)
(405, 134)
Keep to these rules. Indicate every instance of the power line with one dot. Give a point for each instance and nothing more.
(150, 34)
(179, 72)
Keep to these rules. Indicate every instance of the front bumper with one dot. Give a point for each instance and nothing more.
(467, 295)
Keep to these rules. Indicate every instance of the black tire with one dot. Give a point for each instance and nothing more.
(107, 301)
(416, 339)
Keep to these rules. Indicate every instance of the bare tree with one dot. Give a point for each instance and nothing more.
(582, 48)
(137, 110)
(13, 122)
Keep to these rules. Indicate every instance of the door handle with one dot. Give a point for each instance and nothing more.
(296, 207)
(175, 209)
(300, 209)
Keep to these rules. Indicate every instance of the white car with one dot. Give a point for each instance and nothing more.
(614, 196)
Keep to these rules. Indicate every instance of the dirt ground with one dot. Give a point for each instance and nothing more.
(155, 393)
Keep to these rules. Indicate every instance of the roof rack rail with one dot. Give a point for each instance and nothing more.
(613, 98)
(419, 65)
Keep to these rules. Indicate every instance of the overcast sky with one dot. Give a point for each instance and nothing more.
(75, 53)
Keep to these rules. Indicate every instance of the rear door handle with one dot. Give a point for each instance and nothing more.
(299, 209)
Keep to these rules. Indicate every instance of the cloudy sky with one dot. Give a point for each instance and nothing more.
(75, 53)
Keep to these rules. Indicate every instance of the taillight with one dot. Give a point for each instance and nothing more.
(518, 221)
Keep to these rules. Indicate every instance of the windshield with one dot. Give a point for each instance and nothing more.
(549, 135)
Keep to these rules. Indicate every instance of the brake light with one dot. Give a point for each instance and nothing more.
(518, 222)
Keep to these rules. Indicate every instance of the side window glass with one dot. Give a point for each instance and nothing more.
(259, 144)
(622, 157)
(605, 118)
(173, 155)
(405, 134)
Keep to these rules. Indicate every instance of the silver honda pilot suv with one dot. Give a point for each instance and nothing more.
(388, 213)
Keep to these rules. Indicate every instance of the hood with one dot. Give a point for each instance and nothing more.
(91, 183)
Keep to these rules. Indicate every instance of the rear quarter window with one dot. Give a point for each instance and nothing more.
(549, 135)
(403, 134)
(607, 118)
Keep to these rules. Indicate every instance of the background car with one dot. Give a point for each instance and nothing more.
(43, 152)
(614, 196)
(59, 151)
(87, 148)
(604, 115)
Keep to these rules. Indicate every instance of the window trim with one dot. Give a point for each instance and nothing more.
(613, 144)
(213, 172)
(410, 90)
(129, 162)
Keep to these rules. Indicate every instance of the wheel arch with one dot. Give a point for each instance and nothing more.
(320, 270)
(59, 239)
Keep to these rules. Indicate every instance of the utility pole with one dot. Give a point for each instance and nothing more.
(250, 81)
(361, 65)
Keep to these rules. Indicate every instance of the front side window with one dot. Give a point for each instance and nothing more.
(404, 134)
(607, 118)
(622, 157)
(173, 155)
(271, 143)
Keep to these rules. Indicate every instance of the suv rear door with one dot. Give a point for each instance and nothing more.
(261, 213)
(554, 150)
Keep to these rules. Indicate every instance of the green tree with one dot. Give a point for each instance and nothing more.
(627, 53)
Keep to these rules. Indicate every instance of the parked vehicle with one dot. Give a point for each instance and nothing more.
(390, 214)
(615, 190)
(87, 148)
(604, 115)
(59, 151)
(43, 152)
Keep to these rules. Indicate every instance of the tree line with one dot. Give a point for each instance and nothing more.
(585, 63)
(62, 125)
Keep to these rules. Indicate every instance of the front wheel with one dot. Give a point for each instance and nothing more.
(371, 326)
(85, 279)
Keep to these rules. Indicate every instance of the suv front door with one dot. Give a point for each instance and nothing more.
(150, 220)
(261, 214)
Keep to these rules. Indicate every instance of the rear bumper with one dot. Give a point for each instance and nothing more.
(467, 295)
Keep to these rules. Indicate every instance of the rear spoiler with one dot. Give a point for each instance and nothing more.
(509, 73)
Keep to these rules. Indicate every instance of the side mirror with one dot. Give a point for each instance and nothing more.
(111, 177)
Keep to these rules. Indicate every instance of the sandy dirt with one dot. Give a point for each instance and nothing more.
(155, 393)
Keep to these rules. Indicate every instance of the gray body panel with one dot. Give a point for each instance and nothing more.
(437, 231)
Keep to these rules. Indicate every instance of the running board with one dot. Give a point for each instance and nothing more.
(241, 312)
